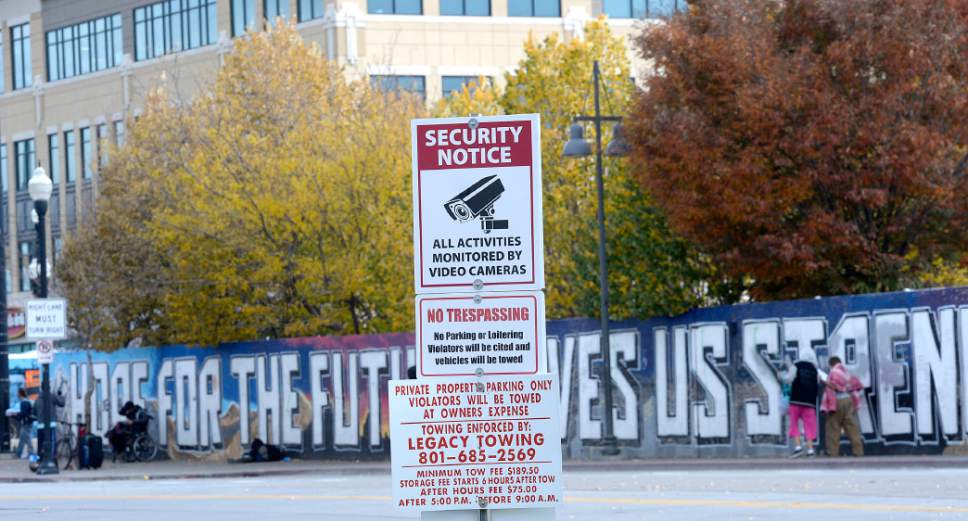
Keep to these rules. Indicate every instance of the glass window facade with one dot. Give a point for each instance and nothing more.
(276, 9)
(102, 145)
(243, 16)
(85, 47)
(24, 262)
(642, 8)
(310, 10)
(70, 163)
(86, 157)
(394, 7)
(550, 8)
(452, 84)
(53, 157)
(25, 159)
(465, 7)
(20, 56)
(413, 84)
(173, 26)
(119, 133)
(4, 180)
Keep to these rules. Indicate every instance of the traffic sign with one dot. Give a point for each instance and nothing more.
(45, 352)
(47, 318)
(496, 333)
(477, 204)
(468, 443)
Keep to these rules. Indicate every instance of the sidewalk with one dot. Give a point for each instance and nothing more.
(16, 471)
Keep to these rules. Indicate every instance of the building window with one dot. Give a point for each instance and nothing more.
(119, 133)
(173, 26)
(551, 8)
(2, 75)
(70, 164)
(25, 159)
(85, 47)
(102, 145)
(394, 7)
(3, 170)
(53, 157)
(310, 9)
(243, 16)
(24, 264)
(452, 84)
(412, 84)
(276, 9)
(465, 7)
(22, 72)
(86, 152)
(642, 8)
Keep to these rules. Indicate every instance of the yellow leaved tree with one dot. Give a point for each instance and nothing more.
(651, 271)
(277, 201)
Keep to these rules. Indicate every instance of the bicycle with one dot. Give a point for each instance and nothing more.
(67, 445)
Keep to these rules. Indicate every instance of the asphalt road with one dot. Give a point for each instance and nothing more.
(787, 495)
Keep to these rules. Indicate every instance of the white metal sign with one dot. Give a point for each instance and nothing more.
(45, 352)
(477, 204)
(468, 443)
(498, 333)
(47, 318)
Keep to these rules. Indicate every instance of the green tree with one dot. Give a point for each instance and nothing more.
(651, 271)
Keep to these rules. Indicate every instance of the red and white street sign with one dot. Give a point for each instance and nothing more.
(477, 204)
(498, 333)
(467, 443)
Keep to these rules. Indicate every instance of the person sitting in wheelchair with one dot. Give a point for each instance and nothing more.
(123, 433)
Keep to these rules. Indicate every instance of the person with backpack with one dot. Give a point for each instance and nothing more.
(840, 403)
(25, 420)
(804, 379)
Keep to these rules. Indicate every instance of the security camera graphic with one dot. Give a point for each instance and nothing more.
(477, 202)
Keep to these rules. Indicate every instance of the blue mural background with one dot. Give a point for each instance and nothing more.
(702, 384)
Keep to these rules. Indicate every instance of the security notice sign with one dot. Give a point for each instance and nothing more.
(498, 333)
(467, 443)
(477, 204)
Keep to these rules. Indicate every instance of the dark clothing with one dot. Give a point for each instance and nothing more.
(805, 388)
(26, 414)
(122, 433)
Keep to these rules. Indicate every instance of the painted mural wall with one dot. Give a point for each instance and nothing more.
(700, 384)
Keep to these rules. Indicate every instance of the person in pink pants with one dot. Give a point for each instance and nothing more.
(804, 378)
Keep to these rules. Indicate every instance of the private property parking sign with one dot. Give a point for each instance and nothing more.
(469, 443)
(477, 204)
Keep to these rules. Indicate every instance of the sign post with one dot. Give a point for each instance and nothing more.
(476, 436)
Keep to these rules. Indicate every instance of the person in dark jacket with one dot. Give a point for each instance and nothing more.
(135, 417)
(804, 378)
(25, 421)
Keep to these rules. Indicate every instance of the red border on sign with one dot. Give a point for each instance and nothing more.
(420, 220)
(536, 338)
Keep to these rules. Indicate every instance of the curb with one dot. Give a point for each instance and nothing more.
(674, 465)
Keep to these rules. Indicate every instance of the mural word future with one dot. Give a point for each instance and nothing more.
(701, 383)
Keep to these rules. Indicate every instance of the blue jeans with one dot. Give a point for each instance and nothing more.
(26, 436)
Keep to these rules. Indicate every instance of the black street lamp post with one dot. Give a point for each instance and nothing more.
(578, 147)
(40, 188)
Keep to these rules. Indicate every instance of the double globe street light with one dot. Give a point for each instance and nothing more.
(40, 188)
(577, 146)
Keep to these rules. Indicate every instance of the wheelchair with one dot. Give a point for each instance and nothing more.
(140, 446)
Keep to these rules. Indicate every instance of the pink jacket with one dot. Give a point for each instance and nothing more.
(840, 381)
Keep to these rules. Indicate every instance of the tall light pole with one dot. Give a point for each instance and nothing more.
(40, 187)
(578, 147)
